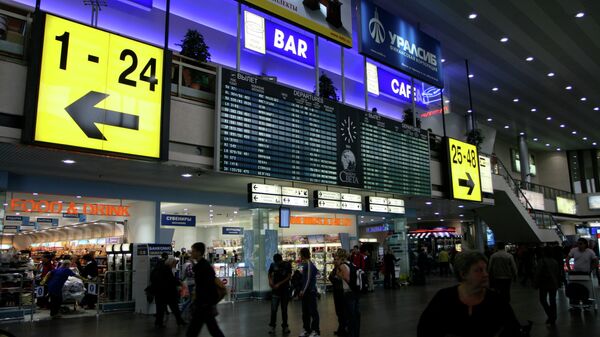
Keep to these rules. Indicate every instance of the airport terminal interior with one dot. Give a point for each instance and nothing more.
(407, 168)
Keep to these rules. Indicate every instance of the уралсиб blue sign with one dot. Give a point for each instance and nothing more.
(391, 40)
(178, 220)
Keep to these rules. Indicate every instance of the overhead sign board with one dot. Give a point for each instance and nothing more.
(232, 230)
(265, 189)
(265, 199)
(378, 208)
(535, 199)
(98, 91)
(485, 172)
(294, 201)
(294, 192)
(395, 202)
(351, 206)
(396, 209)
(393, 41)
(351, 197)
(178, 220)
(594, 202)
(330, 204)
(328, 195)
(377, 200)
(400, 87)
(463, 167)
(329, 18)
(566, 206)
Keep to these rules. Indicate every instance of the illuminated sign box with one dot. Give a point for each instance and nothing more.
(98, 91)
(594, 202)
(566, 206)
(463, 169)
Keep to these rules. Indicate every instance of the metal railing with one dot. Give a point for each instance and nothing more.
(548, 192)
(192, 80)
(543, 219)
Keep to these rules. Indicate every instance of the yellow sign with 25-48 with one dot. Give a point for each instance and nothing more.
(464, 170)
(99, 90)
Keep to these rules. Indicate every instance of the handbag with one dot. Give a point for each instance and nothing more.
(221, 290)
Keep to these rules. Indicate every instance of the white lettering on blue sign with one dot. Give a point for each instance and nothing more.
(288, 44)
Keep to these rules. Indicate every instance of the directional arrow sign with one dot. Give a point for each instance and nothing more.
(98, 91)
(86, 115)
(463, 164)
(467, 183)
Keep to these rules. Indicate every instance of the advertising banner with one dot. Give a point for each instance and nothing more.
(393, 41)
(232, 230)
(329, 18)
(566, 206)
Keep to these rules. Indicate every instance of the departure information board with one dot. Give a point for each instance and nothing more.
(269, 130)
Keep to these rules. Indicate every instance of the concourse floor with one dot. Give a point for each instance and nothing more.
(384, 313)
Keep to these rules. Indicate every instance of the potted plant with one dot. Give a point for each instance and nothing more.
(475, 137)
(327, 89)
(194, 47)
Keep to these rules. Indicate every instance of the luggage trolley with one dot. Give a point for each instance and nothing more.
(581, 291)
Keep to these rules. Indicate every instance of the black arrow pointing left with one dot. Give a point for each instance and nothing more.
(467, 183)
(85, 113)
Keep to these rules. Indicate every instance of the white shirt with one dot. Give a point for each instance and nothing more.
(583, 260)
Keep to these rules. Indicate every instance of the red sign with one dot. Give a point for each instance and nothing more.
(58, 207)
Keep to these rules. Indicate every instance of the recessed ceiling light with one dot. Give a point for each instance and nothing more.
(5, 204)
(533, 109)
(489, 119)
(419, 219)
(594, 143)
(550, 74)
(515, 100)
(504, 39)
(437, 213)
(471, 75)
(35, 193)
(583, 99)
(428, 203)
(495, 89)
(506, 126)
(568, 87)
(535, 139)
(473, 16)
(185, 209)
(558, 149)
(597, 108)
(584, 138)
(469, 111)
(529, 59)
(362, 216)
(442, 220)
(548, 118)
(17, 213)
(574, 132)
(562, 125)
(461, 206)
(580, 15)
(78, 197)
(235, 212)
(547, 144)
(443, 60)
(69, 161)
(461, 215)
(187, 175)
(209, 205)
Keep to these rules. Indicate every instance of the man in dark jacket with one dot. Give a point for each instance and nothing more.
(204, 310)
(89, 272)
(164, 286)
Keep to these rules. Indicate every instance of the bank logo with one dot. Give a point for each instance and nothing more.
(376, 28)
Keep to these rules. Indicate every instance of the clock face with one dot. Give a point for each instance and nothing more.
(348, 130)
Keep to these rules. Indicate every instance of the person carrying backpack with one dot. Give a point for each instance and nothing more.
(280, 273)
(352, 284)
(207, 296)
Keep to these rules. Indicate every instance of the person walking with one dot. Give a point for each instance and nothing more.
(308, 294)
(389, 265)
(188, 281)
(280, 273)
(347, 273)
(502, 270)
(44, 268)
(205, 310)
(338, 297)
(444, 262)
(585, 259)
(548, 278)
(165, 288)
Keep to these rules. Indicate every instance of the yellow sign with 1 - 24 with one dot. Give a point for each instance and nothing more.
(463, 163)
(99, 90)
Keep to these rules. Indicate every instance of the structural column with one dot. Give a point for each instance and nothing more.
(479, 229)
(260, 249)
(524, 158)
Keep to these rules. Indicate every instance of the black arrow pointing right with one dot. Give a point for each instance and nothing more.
(467, 183)
(85, 113)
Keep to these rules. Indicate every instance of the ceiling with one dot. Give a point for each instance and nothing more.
(548, 31)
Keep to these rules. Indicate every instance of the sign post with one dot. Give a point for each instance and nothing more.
(463, 169)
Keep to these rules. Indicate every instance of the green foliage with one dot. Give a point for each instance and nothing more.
(327, 89)
(475, 137)
(193, 46)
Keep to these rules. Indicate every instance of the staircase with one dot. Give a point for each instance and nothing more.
(512, 218)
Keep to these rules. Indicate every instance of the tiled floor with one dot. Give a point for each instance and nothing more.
(384, 313)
